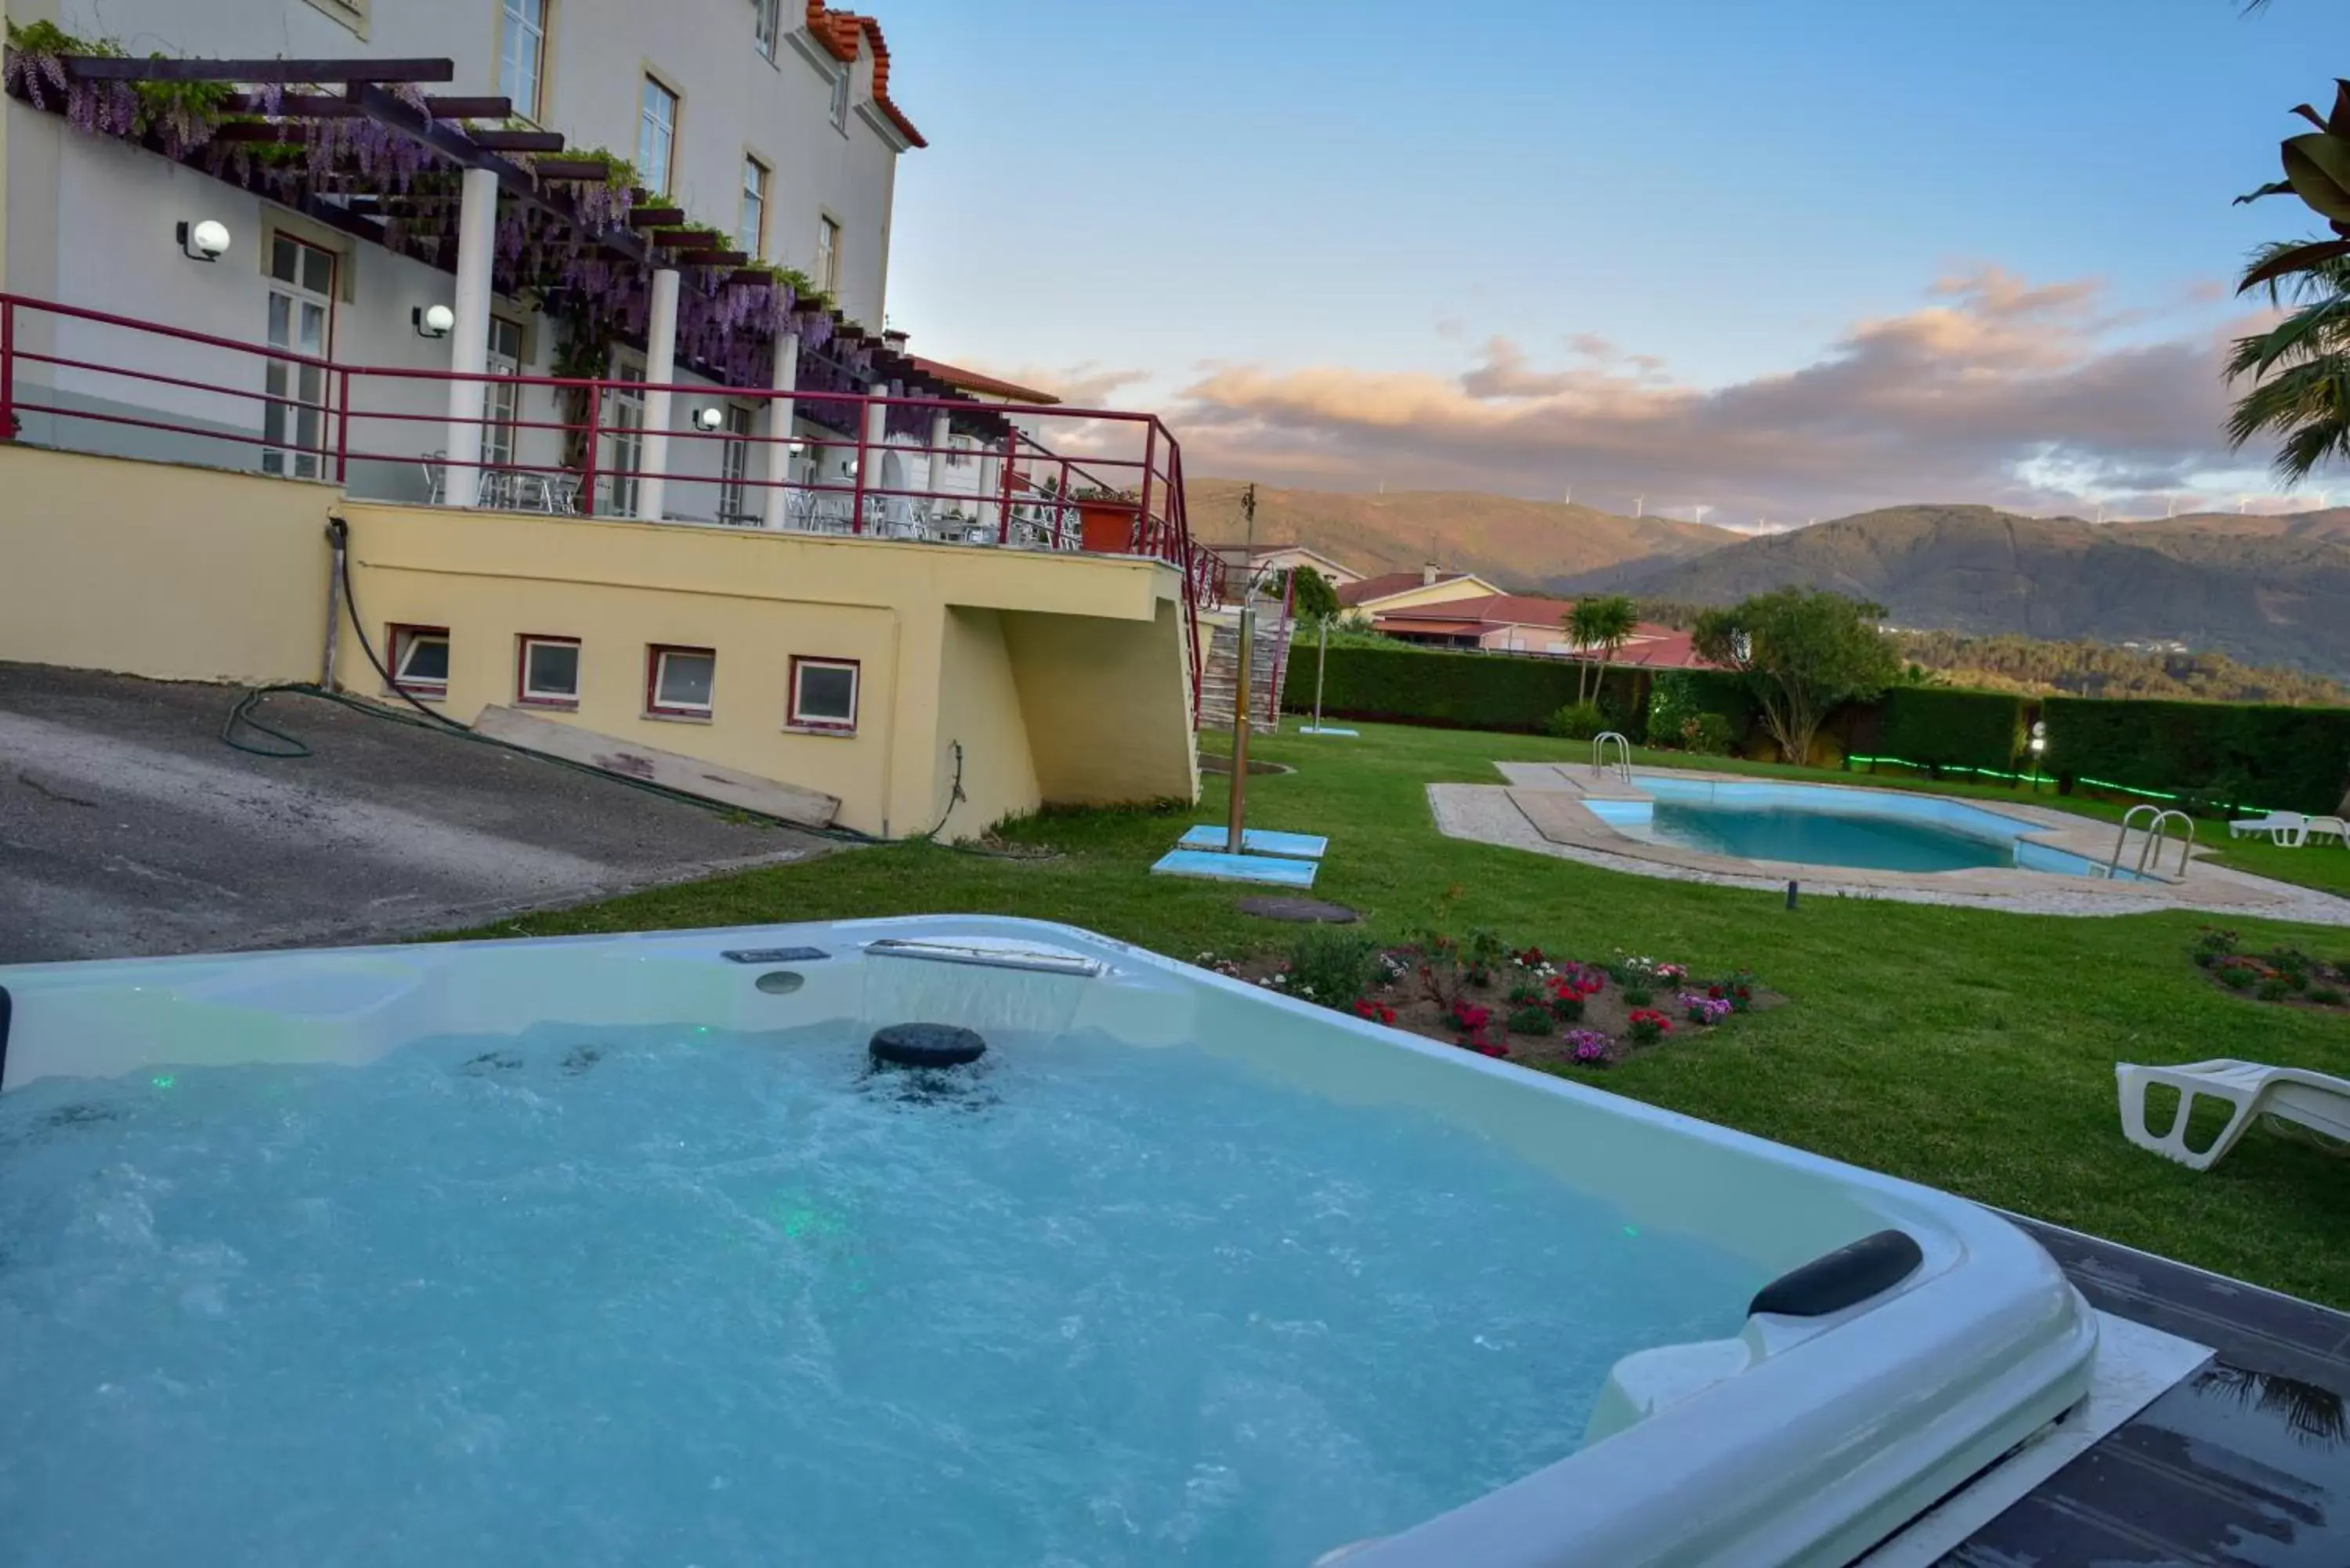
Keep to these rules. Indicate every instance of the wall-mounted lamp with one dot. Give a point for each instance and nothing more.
(432, 320)
(205, 242)
(709, 418)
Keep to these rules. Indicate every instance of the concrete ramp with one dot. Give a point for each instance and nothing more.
(671, 769)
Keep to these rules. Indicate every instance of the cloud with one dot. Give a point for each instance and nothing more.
(1996, 388)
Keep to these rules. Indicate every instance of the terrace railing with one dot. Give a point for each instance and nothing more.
(856, 464)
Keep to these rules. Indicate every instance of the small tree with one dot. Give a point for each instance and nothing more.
(1312, 596)
(1604, 623)
(1802, 651)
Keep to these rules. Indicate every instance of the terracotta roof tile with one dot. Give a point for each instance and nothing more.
(1388, 583)
(964, 380)
(838, 31)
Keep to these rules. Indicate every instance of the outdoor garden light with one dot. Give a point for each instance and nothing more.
(709, 418)
(2039, 737)
(432, 320)
(205, 242)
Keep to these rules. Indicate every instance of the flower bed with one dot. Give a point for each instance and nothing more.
(2285, 975)
(1483, 995)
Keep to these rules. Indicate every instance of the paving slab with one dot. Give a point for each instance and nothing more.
(127, 829)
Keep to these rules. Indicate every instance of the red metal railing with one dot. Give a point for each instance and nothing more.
(90, 380)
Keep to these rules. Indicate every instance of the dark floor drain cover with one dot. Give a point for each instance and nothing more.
(1300, 911)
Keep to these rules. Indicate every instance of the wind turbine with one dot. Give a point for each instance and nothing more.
(1697, 511)
(2170, 506)
(1639, 506)
(1566, 496)
(2243, 504)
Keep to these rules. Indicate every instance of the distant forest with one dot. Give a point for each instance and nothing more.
(2010, 662)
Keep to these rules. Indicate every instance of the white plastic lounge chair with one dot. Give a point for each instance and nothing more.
(2288, 828)
(2332, 828)
(2315, 1100)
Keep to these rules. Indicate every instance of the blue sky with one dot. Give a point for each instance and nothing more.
(1296, 226)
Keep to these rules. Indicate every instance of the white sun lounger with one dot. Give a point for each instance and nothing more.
(2332, 828)
(2315, 1100)
(2288, 828)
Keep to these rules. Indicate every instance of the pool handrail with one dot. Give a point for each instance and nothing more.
(2158, 833)
(1622, 766)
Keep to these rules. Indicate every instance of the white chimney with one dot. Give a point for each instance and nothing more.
(1428, 576)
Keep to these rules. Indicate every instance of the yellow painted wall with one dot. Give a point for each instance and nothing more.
(975, 678)
(932, 629)
(1431, 594)
(1108, 711)
(155, 569)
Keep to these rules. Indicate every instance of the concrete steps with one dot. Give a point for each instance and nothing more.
(1220, 671)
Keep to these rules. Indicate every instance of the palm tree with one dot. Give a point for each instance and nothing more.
(2299, 369)
(1605, 624)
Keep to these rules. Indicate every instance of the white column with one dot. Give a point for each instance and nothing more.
(991, 488)
(876, 441)
(469, 339)
(941, 431)
(786, 380)
(660, 369)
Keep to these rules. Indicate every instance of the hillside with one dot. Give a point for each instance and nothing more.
(2264, 590)
(1519, 545)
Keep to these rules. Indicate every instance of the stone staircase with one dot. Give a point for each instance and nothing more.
(1223, 666)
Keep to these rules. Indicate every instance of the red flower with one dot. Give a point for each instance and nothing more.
(1377, 1012)
(1715, 991)
(1651, 1015)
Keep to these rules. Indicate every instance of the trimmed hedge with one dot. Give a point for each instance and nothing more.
(2282, 759)
(1454, 691)
(1941, 727)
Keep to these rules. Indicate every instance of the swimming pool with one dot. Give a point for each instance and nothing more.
(1820, 825)
(621, 1248)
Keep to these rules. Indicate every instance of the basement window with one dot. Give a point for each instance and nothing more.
(547, 674)
(823, 695)
(679, 682)
(420, 661)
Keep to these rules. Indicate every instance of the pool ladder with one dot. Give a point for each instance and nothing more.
(2157, 833)
(1622, 765)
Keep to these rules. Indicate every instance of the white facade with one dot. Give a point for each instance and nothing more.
(90, 220)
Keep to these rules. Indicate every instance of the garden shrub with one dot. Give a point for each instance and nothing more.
(1577, 721)
(1945, 728)
(1333, 966)
(1455, 690)
(1530, 1021)
(2224, 755)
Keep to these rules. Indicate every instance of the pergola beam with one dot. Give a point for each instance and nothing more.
(110, 67)
(517, 140)
(332, 106)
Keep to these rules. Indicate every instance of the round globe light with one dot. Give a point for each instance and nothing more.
(438, 319)
(209, 239)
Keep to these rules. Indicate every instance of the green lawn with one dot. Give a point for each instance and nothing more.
(1970, 1050)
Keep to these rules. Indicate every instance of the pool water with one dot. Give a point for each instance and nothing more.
(1818, 825)
(686, 1296)
(1812, 837)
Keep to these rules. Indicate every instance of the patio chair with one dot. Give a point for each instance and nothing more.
(2289, 829)
(563, 493)
(436, 476)
(2315, 1100)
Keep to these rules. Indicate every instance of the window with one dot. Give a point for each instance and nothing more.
(656, 135)
(547, 672)
(840, 99)
(827, 256)
(301, 305)
(678, 681)
(824, 694)
(751, 228)
(766, 16)
(502, 399)
(522, 54)
(734, 466)
(420, 660)
(958, 450)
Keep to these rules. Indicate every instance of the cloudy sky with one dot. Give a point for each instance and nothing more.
(1777, 260)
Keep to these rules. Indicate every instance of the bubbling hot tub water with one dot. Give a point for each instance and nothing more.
(689, 1295)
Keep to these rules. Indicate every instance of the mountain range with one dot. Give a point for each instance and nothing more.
(2262, 590)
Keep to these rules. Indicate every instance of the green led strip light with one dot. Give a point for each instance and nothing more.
(2037, 778)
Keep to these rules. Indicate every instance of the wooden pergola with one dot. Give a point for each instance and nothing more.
(288, 106)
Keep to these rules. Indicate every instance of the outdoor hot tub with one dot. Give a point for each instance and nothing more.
(628, 1249)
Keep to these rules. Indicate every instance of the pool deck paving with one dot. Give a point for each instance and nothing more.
(1541, 809)
(127, 829)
